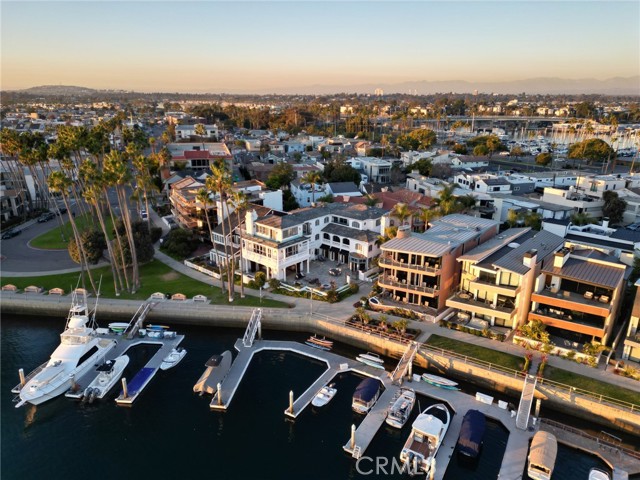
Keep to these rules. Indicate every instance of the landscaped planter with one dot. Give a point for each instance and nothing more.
(567, 353)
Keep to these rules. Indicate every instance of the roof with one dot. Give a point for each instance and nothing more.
(600, 242)
(343, 187)
(366, 390)
(552, 207)
(543, 450)
(626, 235)
(492, 245)
(636, 306)
(260, 210)
(301, 215)
(557, 221)
(545, 243)
(494, 181)
(353, 233)
(589, 272)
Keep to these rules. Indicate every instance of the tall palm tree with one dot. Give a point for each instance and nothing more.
(312, 178)
(60, 183)
(204, 197)
(426, 215)
(401, 212)
(240, 203)
(446, 201)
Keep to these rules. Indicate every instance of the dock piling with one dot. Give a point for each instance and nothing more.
(22, 379)
(74, 385)
(219, 387)
(291, 402)
(125, 391)
(353, 436)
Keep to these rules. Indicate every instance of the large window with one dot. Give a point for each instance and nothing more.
(291, 251)
(264, 231)
(289, 232)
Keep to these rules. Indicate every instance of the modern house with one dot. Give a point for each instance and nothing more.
(377, 169)
(185, 207)
(631, 349)
(421, 269)
(498, 276)
(578, 200)
(578, 296)
(187, 131)
(199, 155)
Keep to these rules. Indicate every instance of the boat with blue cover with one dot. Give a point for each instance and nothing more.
(469, 443)
(366, 395)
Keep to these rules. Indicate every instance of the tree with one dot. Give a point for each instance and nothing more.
(93, 243)
(517, 152)
(544, 159)
(613, 207)
(180, 243)
(493, 144)
(289, 202)
(426, 215)
(581, 218)
(401, 212)
(480, 150)
(339, 171)
(312, 178)
(420, 139)
(389, 233)
(592, 150)
(240, 203)
(460, 149)
(220, 182)
(533, 220)
(446, 201)
(423, 166)
(260, 279)
(280, 177)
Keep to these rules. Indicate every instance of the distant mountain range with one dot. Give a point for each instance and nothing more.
(543, 85)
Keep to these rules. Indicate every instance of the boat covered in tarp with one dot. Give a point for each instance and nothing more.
(471, 433)
(542, 455)
(365, 395)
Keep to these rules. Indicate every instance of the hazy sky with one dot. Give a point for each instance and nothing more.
(242, 46)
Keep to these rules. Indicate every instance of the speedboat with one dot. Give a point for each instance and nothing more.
(371, 359)
(427, 433)
(217, 368)
(598, 474)
(366, 395)
(321, 343)
(401, 408)
(79, 350)
(110, 373)
(324, 396)
(471, 434)
(542, 456)
(440, 381)
(173, 358)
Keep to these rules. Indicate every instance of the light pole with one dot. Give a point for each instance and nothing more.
(310, 301)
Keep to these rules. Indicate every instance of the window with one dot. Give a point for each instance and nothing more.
(336, 238)
(515, 189)
(326, 236)
(317, 236)
(345, 241)
(289, 232)
(326, 219)
(358, 248)
(370, 247)
(377, 222)
(317, 222)
(355, 224)
(291, 251)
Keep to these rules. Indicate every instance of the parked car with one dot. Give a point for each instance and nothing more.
(45, 217)
(143, 214)
(63, 210)
(11, 234)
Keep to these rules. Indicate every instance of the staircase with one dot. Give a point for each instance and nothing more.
(403, 364)
(526, 400)
(252, 327)
(136, 321)
(357, 452)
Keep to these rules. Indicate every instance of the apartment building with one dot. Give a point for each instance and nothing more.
(578, 296)
(421, 268)
(498, 276)
(282, 245)
(377, 169)
(631, 349)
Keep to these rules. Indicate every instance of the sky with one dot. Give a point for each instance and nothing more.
(241, 46)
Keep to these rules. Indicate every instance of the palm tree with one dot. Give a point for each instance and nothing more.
(312, 178)
(60, 183)
(371, 201)
(426, 215)
(240, 202)
(401, 212)
(446, 201)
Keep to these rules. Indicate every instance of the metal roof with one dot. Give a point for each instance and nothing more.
(492, 245)
(589, 272)
(546, 243)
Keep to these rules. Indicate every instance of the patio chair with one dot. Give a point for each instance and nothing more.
(588, 295)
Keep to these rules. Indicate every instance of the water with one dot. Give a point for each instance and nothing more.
(171, 433)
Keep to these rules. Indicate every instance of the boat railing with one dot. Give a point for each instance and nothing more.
(600, 441)
(18, 387)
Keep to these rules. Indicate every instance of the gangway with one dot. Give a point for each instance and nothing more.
(253, 327)
(405, 363)
(136, 321)
(524, 409)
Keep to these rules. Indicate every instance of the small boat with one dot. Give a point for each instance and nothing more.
(542, 456)
(157, 327)
(371, 359)
(173, 358)
(217, 368)
(400, 409)
(155, 333)
(110, 373)
(366, 395)
(324, 396)
(598, 474)
(471, 433)
(118, 327)
(440, 381)
(427, 433)
(322, 343)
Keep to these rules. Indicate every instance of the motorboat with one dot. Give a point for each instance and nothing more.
(173, 358)
(325, 395)
(321, 343)
(80, 349)
(401, 407)
(371, 359)
(109, 374)
(427, 433)
(542, 456)
(366, 395)
(440, 381)
(471, 434)
(216, 370)
(118, 327)
(598, 474)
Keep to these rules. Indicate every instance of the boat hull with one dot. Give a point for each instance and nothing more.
(105, 383)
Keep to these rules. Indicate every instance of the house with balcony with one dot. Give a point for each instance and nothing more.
(282, 245)
(199, 155)
(187, 131)
(631, 349)
(420, 270)
(377, 169)
(498, 276)
(576, 199)
(578, 296)
(186, 209)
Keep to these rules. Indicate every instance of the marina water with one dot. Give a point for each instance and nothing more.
(171, 433)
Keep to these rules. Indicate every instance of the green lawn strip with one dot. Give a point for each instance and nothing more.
(52, 240)
(591, 385)
(155, 277)
(474, 351)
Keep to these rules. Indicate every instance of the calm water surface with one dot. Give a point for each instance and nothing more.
(171, 433)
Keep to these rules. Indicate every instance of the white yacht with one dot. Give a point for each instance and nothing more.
(79, 350)
(110, 373)
(427, 433)
(173, 358)
(401, 408)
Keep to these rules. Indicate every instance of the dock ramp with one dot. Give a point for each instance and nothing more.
(405, 363)
(253, 328)
(524, 409)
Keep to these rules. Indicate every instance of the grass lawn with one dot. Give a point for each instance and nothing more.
(155, 277)
(481, 353)
(52, 240)
(595, 387)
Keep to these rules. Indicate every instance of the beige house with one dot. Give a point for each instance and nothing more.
(631, 349)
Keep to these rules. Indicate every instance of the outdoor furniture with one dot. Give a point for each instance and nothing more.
(588, 295)
(566, 294)
(604, 299)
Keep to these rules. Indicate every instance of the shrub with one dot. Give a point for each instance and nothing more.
(570, 354)
(260, 279)
(274, 283)
(354, 288)
(332, 296)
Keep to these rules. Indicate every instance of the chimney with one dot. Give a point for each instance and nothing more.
(249, 218)
(529, 258)
(605, 222)
(403, 232)
(559, 258)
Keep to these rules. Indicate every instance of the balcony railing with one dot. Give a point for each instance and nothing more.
(387, 261)
(564, 317)
(468, 299)
(386, 281)
(509, 289)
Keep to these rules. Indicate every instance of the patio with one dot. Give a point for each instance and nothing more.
(323, 275)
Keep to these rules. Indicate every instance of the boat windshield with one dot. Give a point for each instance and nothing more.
(75, 338)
